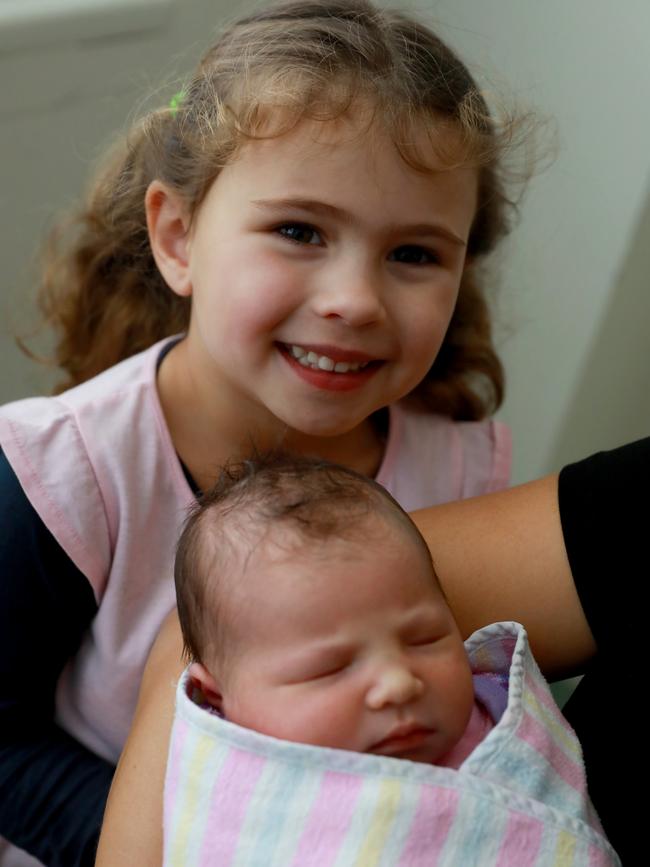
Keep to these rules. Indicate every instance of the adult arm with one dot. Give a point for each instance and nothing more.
(502, 557)
(562, 555)
(52, 789)
(137, 788)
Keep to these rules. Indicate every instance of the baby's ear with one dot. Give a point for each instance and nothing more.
(203, 680)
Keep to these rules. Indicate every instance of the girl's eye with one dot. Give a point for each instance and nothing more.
(412, 254)
(300, 233)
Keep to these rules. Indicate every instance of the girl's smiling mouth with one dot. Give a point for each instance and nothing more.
(330, 368)
(310, 358)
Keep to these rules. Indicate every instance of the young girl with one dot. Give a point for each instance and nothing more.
(284, 256)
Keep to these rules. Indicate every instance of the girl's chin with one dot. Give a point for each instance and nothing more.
(318, 431)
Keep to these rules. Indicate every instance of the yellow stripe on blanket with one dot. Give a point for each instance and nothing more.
(185, 825)
(565, 850)
(380, 824)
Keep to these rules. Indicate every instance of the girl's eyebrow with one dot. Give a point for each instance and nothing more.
(421, 229)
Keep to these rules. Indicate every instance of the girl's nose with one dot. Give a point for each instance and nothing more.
(353, 295)
(395, 684)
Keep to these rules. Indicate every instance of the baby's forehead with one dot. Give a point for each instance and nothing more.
(291, 560)
(371, 532)
(304, 579)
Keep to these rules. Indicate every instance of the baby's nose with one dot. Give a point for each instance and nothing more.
(394, 685)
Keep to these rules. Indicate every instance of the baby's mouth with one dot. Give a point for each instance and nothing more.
(316, 361)
(401, 738)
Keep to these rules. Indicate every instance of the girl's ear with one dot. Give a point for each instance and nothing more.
(203, 680)
(168, 222)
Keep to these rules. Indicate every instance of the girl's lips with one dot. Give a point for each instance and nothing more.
(329, 380)
(352, 356)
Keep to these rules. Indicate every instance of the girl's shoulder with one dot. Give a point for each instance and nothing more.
(432, 459)
(60, 430)
(81, 455)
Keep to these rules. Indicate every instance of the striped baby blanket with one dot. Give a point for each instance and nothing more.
(235, 798)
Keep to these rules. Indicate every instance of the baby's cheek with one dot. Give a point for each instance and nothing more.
(327, 714)
(329, 718)
(461, 692)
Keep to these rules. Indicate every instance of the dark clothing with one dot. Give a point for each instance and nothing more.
(605, 520)
(52, 789)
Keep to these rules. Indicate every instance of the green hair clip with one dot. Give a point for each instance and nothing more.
(175, 102)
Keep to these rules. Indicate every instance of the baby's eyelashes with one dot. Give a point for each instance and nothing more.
(316, 670)
(424, 643)
(330, 671)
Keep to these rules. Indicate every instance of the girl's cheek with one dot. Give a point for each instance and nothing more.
(433, 308)
(268, 297)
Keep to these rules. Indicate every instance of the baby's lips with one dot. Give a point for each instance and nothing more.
(403, 736)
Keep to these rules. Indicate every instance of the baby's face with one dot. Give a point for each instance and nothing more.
(348, 645)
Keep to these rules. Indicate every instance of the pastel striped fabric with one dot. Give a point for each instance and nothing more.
(235, 798)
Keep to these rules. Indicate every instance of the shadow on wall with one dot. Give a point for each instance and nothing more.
(612, 398)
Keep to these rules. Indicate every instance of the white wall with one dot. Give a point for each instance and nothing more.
(72, 72)
(574, 304)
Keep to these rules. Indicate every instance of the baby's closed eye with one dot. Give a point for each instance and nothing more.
(424, 640)
(317, 669)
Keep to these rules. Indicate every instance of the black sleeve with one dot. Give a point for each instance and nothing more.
(52, 789)
(605, 518)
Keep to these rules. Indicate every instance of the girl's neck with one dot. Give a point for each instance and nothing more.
(361, 449)
(206, 433)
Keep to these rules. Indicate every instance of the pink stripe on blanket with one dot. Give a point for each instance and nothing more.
(181, 729)
(426, 837)
(535, 735)
(231, 795)
(521, 841)
(599, 858)
(335, 804)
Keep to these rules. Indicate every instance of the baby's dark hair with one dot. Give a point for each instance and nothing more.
(312, 499)
(267, 72)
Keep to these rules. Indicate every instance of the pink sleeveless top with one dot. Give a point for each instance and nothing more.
(98, 465)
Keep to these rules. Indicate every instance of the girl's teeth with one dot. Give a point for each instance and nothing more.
(322, 362)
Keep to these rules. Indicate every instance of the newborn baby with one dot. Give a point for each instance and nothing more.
(313, 619)
(311, 612)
